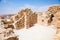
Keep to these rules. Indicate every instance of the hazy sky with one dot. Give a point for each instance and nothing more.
(13, 6)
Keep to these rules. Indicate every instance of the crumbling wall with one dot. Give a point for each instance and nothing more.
(53, 14)
(28, 20)
(25, 18)
(31, 20)
(56, 19)
(20, 23)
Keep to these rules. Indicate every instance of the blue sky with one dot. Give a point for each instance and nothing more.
(13, 6)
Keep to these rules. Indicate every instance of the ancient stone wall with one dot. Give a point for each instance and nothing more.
(28, 20)
(20, 23)
(31, 20)
(53, 14)
(56, 19)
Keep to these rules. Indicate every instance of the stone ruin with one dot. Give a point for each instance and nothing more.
(25, 19)
(52, 11)
(7, 34)
(53, 15)
(6, 30)
(56, 22)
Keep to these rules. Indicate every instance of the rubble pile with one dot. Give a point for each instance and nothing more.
(7, 34)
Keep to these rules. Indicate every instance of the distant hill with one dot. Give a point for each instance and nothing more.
(4, 16)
